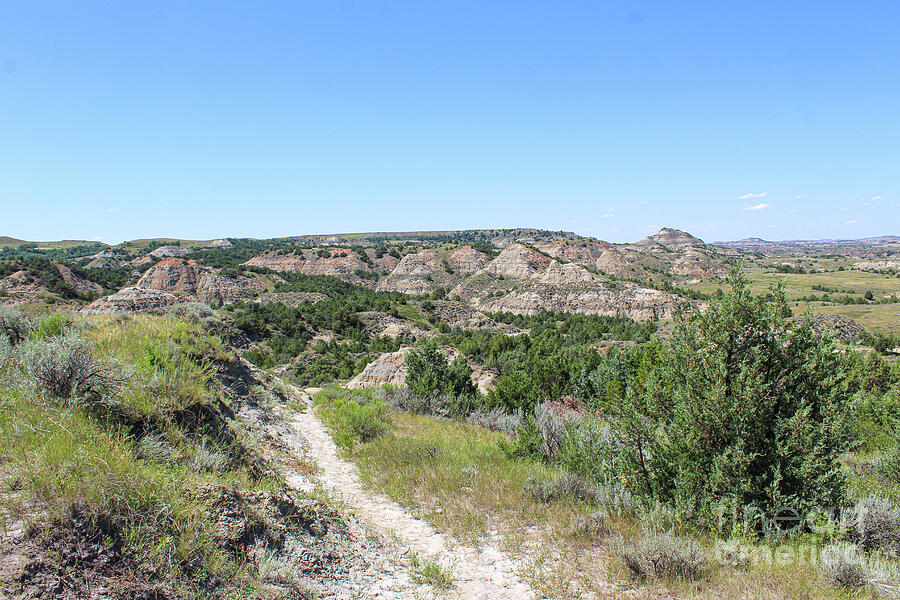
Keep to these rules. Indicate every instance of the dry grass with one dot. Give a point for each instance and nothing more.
(454, 475)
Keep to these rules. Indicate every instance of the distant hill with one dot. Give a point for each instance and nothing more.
(872, 247)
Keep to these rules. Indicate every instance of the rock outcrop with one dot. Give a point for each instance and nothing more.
(173, 275)
(187, 279)
(131, 299)
(79, 283)
(522, 280)
(843, 328)
(673, 239)
(174, 280)
(343, 263)
(390, 369)
(169, 251)
(106, 258)
(292, 299)
(424, 272)
(517, 260)
(387, 369)
(385, 325)
(629, 300)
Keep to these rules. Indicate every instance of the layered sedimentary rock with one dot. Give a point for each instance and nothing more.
(390, 369)
(131, 299)
(424, 272)
(169, 251)
(186, 278)
(178, 280)
(336, 262)
(173, 275)
(517, 260)
(383, 324)
(106, 258)
(79, 283)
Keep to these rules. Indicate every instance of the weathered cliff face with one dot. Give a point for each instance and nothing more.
(131, 299)
(517, 260)
(627, 300)
(339, 263)
(343, 263)
(106, 258)
(423, 272)
(680, 254)
(557, 274)
(383, 324)
(173, 275)
(387, 369)
(466, 260)
(169, 251)
(26, 286)
(523, 281)
(187, 279)
(878, 265)
(390, 369)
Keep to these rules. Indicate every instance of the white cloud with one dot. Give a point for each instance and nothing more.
(607, 216)
(800, 196)
(876, 198)
(751, 195)
(760, 206)
(644, 201)
(852, 221)
(111, 210)
(793, 211)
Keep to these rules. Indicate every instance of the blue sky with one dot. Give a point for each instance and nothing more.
(121, 120)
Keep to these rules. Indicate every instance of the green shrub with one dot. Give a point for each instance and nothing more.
(14, 326)
(429, 373)
(742, 408)
(50, 327)
(353, 417)
(66, 366)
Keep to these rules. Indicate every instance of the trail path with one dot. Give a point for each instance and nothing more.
(484, 573)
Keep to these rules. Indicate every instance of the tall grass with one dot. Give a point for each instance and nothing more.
(126, 460)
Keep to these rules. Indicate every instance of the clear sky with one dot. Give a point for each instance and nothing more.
(121, 120)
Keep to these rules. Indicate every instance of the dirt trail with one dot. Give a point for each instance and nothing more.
(484, 573)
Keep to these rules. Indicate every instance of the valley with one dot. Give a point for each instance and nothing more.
(473, 414)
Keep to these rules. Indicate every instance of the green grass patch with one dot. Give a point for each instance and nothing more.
(352, 417)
